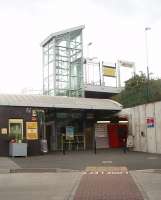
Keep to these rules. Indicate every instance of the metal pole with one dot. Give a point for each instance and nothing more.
(147, 60)
(146, 48)
(95, 147)
(118, 74)
(95, 151)
(100, 74)
(134, 70)
(103, 77)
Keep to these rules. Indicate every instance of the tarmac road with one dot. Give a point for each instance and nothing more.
(80, 160)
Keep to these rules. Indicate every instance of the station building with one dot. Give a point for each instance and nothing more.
(70, 121)
(64, 117)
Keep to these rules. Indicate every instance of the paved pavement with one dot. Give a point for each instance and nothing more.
(41, 186)
(65, 181)
(6, 164)
(149, 183)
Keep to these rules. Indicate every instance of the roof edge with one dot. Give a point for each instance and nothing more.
(60, 33)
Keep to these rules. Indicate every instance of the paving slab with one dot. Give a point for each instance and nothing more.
(149, 182)
(6, 164)
(41, 186)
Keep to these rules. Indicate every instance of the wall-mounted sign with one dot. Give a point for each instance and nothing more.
(69, 132)
(4, 131)
(31, 131)
(150, 122)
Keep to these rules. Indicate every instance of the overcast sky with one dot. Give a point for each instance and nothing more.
(115, 27)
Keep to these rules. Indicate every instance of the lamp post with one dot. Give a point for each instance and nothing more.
(86, 60)
(147, 59)
(88, 45)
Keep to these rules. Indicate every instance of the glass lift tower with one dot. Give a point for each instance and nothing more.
(63, 63)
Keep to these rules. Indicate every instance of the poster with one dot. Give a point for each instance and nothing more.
(69, 132)
(44, 146)
(130, 141)
(31, 131)
(150, 122)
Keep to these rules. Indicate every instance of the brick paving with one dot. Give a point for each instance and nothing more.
(116, 184)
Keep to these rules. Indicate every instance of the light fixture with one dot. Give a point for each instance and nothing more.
(123, 122)
(103, 122)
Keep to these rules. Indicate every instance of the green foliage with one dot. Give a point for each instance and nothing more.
(136, 82)
(139, 90)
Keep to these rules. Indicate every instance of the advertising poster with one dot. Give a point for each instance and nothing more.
(31, 131)
(44, 146)
(150, 122)
(69, 132)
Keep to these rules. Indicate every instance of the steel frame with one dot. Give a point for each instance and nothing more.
(63, 65)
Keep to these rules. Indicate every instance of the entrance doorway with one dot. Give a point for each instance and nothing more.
(110, 135)
(116, 134)
(51, 136)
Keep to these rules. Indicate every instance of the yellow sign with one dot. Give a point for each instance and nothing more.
(109, 71)
(31, 125)
(31, 131)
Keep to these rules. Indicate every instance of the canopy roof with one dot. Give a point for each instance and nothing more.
(51, 36)
(58, 102)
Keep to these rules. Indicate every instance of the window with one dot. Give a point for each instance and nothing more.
(16, 128)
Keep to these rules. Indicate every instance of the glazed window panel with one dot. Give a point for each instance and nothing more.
(16, 128)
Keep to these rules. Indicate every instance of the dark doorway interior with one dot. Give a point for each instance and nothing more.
(48, 136)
